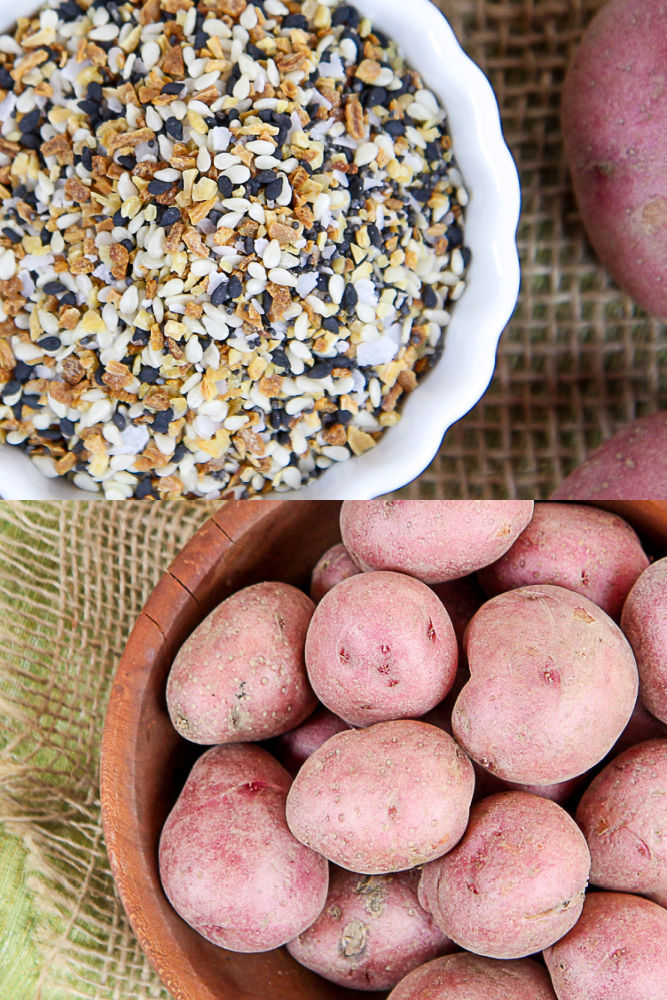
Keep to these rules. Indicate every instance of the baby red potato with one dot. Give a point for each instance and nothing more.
(228, 863)
(644, 621)
(382, 799)
(434, 540)
(471, 977)
(335, 565)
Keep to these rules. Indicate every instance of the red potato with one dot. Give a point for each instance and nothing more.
(589, 551)
(382, 799)
(228, 863)
(296, 746)
(335, 565)
(434, 540)
(371, 932)
(644, 622)
(472, 977)
(623, 815)
(615, 126)
(631, 464)
(241, 674)
(617, 951)
(515, 883)
(380, 646)
(553, 683)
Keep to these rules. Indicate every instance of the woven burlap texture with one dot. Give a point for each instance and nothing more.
(73, 578)
(578, 360)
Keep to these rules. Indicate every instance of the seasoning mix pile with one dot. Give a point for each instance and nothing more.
(230, 236)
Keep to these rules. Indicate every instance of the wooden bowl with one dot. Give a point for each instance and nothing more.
(145, 762)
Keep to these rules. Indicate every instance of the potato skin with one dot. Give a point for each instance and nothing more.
(624, 466)
(380, 646)
(515, 883)
(614, 127)
(589, 551)
(644, 621)
(553, 683)
(371, 932)
(335, 565)
(623, 815)
(382, 799)
(241, 674)
(228, 863)
(617, 951)
(471, 977)
(296, 746)
(434, 540)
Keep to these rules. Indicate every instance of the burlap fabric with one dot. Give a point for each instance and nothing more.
(578, 360)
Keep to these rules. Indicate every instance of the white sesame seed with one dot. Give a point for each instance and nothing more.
(203, 160)
(262, 147)
(271, 255)
(336, 453)
(153, 119)
(365, 154)
(257, 213)
(241, 88)
(248, 18)
(225, 160)
(150, 53)
(194, 352)
(238, 174)
(7, 264)
(264, 162)
(105, 33)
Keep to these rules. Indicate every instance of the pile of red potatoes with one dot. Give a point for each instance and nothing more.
(461, 787)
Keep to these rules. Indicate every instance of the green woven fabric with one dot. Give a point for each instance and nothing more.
(73, 577)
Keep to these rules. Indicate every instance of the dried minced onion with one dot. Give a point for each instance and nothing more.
(229, 240)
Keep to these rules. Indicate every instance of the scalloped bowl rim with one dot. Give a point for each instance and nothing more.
(461, 376)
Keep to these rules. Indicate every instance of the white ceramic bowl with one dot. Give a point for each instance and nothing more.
(462, 375)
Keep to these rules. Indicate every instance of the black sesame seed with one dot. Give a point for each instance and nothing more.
(266, 176)
(50, 434)
(454, 236)
(30, 140)
(119, 219)
(466, 254)
(12, 235)
(280, 359)
(162, 420)
(394, 127)
(90, 108)
(148, 374)
(355, 187)
(173, 88)
(67, 428)
(350, 297)
(87, 157)
(145, 489)
(99, 376)
(421, 194)
(429, 298)
(23, 372)
(158, 186)
(234, 287)
(323, 282)
(20, 191)
(346, 14)
(381, 37)
(30, 121)
(344, 417)
(127, 243)
(12, 387)
(254, 52)
(249, 243)
(31, 400)
(274, 190)
(174, 128)
(225, 186)
(68, 299)
(283, 437)
(129, 162)
(220, 294)
(252, 187)
(119, 420)
(374, 96)
(6, 81)
(170, 215)
(140, 338)
(374, 234)
(267, 302)
(201, 40)
(49, 343)
(17, 410)
(296, 21)
(95, 91)
(181, 451)
(321, 368)
(331, 324)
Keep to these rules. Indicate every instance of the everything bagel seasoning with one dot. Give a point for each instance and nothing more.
(230, 237)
